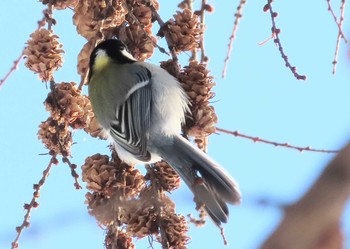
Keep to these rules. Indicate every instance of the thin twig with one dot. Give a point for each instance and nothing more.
(238, 17)
(330, 9)
(340, 33)
(33, 203)
(277, 41)
(204, 58)
(41, 23)
(286, 145)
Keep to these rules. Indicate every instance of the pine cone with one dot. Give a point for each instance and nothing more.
(108, 177)
(44, 54)
(139, 45)
(95, 129)
(66, 104)
(84, 58)
(165, 176)
(56, 137)
(60, 4)
(197, 83)
(116, 239)
(175, 227)
(99, 174)
(184, 31)
(142, 220)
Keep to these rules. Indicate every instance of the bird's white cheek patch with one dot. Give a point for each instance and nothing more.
(127, 55)
(101, 60)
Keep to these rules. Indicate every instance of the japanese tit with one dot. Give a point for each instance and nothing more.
(141, 108)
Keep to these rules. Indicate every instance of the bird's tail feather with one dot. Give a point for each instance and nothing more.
(210, 183)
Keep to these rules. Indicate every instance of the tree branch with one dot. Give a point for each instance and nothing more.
(238, 17)
(286, 145)
(318, 212)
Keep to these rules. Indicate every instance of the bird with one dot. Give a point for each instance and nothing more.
(141, 108)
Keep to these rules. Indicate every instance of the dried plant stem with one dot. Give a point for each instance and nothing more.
(33, 203)
(277, 41)
(315, 218)
(238, 17)
(286, 145)
(41, 23)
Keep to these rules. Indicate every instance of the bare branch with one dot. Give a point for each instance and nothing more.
(41, 23)
(238, 17)
(317, 214)
(276, 31)
(33, 203)
(340, 32)
(286, 145)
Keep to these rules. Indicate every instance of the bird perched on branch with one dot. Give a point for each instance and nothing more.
(141, 107)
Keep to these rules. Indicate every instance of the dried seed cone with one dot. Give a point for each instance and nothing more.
(165, 175)
(108, 177)
(95, 129)
(116, 239)
(84, 58)
(44, 53)
(184, 31)
(100, 174)
(197, 83)
(88, 25)
(114, 16)
(172, 67)
(106, 210)
(66, 104)
(56, 137)
(175, 227)
(143, 13)
(139, 44)
(142, 220)
(60, 4)
(92, 18)
(144, 217)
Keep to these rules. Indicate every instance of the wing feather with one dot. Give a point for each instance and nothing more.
(131, 127)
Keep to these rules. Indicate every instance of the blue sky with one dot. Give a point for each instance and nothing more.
(259, 97)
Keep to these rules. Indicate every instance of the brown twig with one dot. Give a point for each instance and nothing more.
(276, 31)
(286, 145)
(330, 9)
(204, 58)
(41, 23)
(340, 32)
(238, 17)
(315, 218)
(33, 203)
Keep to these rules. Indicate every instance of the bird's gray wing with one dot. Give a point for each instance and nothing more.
(130, 129)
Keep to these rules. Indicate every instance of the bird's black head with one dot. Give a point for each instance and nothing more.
(109, 51)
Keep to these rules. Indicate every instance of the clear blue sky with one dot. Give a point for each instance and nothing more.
(259, 97)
